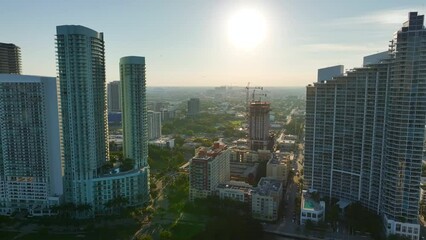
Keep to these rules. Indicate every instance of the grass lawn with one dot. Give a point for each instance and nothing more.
(183, 231)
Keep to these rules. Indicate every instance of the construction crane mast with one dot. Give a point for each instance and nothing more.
(253, 95)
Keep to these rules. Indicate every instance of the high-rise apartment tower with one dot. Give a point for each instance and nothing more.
(114, 96)
(193, 107)
(10, 58)
(365, 131)
(135, 129)
(81, 72)
(154, 125)
(30, 152)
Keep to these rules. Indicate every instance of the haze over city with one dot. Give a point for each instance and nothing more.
(213, 120)
(196, 43)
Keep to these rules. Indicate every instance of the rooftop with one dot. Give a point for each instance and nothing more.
(162, 140)
(309, 203)
(236, 185)
(210, 153)
(115, 172)
(244, 168)
(279, 159)
(267, 185)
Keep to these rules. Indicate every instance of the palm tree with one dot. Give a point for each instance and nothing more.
(109, 205)
(65, 210)
(54, 209)
(83, 209)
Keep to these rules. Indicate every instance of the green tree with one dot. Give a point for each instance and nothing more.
(127, 164)
(83, 210)
(115, 156)
(144, 237)
(116, 204)
(66, 210)
(229, 219)
(332, 214)
(309, 225)
(179, 141)
(362, 219)
(165, 235)
(397, 237)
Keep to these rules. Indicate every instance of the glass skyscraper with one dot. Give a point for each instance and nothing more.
(81, 72)
(135, 129)
(365, 132)
(114, 96)
(135, 126)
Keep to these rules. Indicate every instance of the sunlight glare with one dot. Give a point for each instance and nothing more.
(247, 29)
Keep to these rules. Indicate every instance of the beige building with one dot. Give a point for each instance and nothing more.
(244, 171)
(278, 167)
(266, 198)
(207, 169)
(239, 191)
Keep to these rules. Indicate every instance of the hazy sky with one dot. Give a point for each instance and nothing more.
(186, 43)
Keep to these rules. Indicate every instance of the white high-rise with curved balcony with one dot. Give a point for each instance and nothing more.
(81, 72)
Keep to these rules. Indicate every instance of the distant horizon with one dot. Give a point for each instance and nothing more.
(212, 43)
(224, 86)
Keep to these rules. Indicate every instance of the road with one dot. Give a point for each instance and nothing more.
(156, 203)
(289, 223)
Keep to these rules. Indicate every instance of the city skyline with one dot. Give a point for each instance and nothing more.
(187, 43)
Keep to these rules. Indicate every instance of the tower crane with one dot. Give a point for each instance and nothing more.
(248, 95)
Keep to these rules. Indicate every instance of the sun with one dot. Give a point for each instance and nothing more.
(247, 29)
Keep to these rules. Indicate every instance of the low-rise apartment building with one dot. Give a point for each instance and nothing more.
(239, 191)
(311, 208)
(266, 198)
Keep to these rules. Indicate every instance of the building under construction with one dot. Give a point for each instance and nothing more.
(259, 125)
